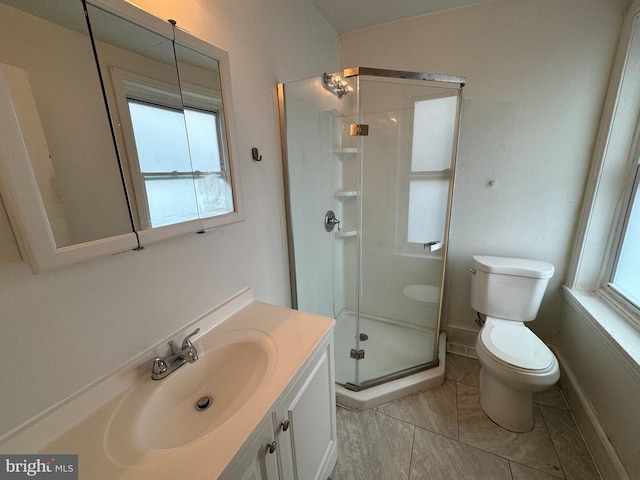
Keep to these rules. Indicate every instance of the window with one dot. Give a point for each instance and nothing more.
(175, 154)
(176, 165)
(426, 184)
(625, 275)
(606, 260)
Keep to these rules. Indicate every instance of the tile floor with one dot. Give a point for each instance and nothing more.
(443, 434)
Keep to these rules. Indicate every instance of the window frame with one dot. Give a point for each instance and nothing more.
(611, 180)
(130, 86)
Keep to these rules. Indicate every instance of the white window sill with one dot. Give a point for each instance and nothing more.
(620, 335)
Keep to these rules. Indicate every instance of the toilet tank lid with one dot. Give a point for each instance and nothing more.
(513, 266)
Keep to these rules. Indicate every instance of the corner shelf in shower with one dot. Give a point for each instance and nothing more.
(345, 153)
(346, 233)
(345, 194)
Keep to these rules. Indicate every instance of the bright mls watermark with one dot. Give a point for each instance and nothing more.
(49, 467)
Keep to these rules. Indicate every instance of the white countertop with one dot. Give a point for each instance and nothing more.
(295, 335)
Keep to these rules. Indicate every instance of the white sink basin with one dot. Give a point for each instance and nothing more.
(162, 414)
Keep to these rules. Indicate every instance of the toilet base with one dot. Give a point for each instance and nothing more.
(511, 409)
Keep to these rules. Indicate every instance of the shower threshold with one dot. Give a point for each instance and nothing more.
(391, 377)
(377, 395)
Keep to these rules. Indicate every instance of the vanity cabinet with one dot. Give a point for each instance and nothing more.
(302, 423)
(255, 461)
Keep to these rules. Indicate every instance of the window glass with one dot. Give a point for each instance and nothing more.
(161, 139)
(433, 129)
(626, 274)
(427, 209)
(165, 166)
(211, 176)
(432, 146)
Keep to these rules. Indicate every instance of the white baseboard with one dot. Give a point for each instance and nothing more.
(461, 341)
(461, 349)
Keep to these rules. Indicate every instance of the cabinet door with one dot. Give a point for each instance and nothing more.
(312, 424)
(255, 462)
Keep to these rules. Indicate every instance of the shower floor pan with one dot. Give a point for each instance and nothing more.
(387, 343)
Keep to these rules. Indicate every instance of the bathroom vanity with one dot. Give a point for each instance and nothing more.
(258, 403)
(298, 439)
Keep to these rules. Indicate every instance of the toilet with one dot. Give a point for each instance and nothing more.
(515, 363)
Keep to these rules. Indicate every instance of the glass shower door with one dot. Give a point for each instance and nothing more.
(404, 196)
(321, 175)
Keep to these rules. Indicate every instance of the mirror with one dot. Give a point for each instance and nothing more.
(166, 100)
(78, 174)
(204, 113)
(167, 112)
(141, 83)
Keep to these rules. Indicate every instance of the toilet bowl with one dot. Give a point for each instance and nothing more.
(515, 362)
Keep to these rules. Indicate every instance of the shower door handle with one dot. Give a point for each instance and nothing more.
(330, 221)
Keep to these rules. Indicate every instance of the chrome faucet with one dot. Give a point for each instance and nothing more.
(163, 367)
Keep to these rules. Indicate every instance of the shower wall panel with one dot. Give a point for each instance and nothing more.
(310, 184)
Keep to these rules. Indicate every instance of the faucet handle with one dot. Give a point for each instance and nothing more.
(186, 343)
(158, 366)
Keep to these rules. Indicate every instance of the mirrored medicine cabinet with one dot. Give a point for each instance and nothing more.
(116, 130)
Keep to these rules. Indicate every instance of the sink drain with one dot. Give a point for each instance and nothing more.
(204, 403)
(364, 337)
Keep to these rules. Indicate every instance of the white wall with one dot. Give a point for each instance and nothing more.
(602, 384)
(536, 76)
(64, 329)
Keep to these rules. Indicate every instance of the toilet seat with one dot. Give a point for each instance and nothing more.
(513, 345)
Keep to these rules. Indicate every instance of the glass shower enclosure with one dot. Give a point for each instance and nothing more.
(369, 161)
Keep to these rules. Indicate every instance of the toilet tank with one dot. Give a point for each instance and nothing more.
(508, 288)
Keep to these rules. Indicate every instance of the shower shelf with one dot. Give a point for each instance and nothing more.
(346, 194)
(346, 233)
(345, 153)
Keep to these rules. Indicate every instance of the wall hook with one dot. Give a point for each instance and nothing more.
(256, 155)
